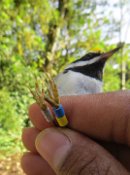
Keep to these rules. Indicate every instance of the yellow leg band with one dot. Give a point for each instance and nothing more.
(62, 121)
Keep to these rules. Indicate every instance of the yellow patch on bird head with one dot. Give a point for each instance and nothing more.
(96, 49)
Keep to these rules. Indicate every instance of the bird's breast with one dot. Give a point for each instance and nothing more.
(74, 83)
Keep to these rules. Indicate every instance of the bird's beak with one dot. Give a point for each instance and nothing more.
(108, 54)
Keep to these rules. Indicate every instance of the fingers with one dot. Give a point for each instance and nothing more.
(28, 137)
(104, 116)
(37, 117)
(121, 152)
(68, 152)
(33, 164)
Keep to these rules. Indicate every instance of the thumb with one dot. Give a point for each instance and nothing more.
(69, 152)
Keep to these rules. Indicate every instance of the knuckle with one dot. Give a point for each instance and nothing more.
(125, 119)
(81, 163)
(126, 130)
(121, 130)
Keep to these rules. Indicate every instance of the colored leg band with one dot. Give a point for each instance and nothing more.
(60, 116)
(62, 121)
(47, 115)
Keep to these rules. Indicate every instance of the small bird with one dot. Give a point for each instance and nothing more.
(84, 76)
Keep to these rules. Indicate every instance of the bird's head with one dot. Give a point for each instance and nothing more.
(92, 64)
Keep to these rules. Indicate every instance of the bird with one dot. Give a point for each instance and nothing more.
(85, 75)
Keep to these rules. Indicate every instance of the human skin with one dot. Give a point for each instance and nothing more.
(97, 140)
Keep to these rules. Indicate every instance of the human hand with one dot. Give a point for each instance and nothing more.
(102, 148)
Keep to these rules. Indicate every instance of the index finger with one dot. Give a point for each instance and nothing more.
(104, 116)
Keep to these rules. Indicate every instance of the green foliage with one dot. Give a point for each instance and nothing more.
(9, 119)
(10, 124)
(111, 84)
(10, 143)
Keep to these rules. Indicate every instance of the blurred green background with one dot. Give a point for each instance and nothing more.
(48, 35)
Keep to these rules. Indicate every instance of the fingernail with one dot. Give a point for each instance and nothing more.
(53, 145)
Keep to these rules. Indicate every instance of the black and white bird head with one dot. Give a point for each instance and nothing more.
(85, 75)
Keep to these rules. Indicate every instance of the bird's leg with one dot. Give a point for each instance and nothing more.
(51, 97)
(38, 95)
